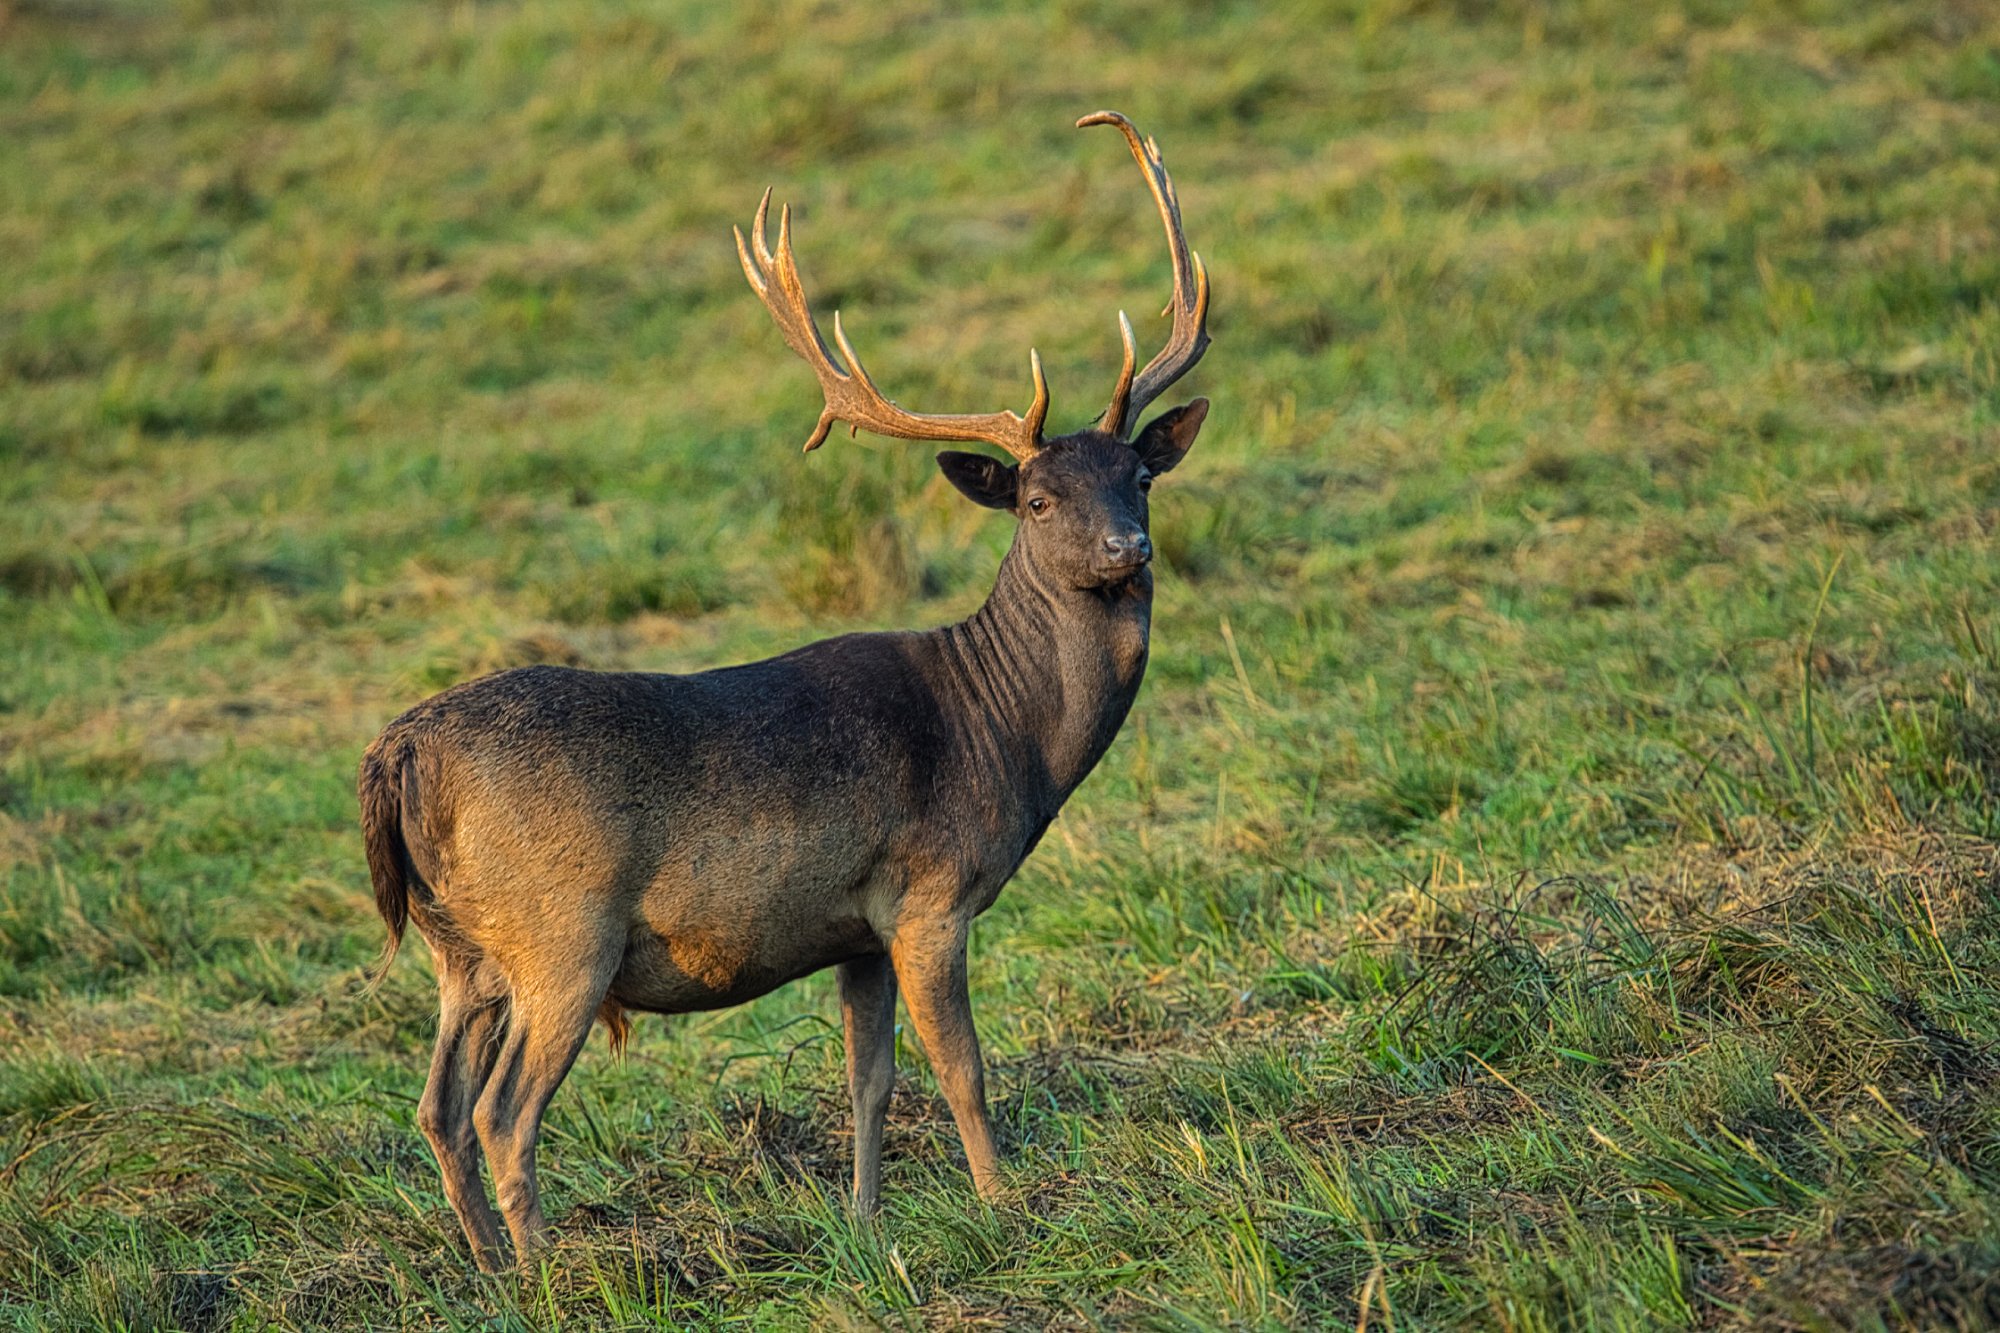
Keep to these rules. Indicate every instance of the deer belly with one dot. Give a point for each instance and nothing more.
(731, 960)
(723, 925)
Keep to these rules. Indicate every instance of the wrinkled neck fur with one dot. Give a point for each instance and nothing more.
(1049, 672)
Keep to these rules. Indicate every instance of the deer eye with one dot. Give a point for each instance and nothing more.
(1145, 481)
(1038, 505)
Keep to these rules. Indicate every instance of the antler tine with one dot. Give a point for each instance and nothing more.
(787, 309)
(1121, 393)
(1189, 306)
(850, 393)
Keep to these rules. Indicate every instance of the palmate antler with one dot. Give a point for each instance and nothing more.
(851, 396)
(1189, 306)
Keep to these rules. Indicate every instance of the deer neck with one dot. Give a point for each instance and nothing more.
(1048, 672)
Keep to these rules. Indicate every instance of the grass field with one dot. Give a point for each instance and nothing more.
(1548, 881)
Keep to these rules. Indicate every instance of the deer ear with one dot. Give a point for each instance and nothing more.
(1169, 436)
(982, 480)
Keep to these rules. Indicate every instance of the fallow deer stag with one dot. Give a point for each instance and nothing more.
(573, 845)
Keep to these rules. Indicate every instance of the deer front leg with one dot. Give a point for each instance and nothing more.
(929, 957)
(868, 1016)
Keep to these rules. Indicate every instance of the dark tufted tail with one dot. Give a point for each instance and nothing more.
(388, 859)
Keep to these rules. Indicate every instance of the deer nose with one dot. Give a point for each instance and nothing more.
(1133, 546)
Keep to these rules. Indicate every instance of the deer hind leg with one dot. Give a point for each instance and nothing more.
(551, 1013)
(868, 1013)
(470, 1028)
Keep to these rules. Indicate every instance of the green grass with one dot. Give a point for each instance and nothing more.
(1547, 882)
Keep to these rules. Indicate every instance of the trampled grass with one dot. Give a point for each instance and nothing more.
(1547, 882)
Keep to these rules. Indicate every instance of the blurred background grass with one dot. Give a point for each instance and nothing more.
(1546, 883)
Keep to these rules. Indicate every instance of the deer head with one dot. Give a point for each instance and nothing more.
(1081, 497)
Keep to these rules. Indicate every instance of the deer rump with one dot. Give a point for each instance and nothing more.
(738, 828)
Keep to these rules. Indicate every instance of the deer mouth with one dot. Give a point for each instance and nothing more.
(1113, 573)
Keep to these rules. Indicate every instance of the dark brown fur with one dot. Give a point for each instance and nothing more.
(574, 844)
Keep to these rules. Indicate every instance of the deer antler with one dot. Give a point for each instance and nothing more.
(1189, 306)
(851, 396)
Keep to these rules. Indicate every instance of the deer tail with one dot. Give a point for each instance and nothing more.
(380, 790)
